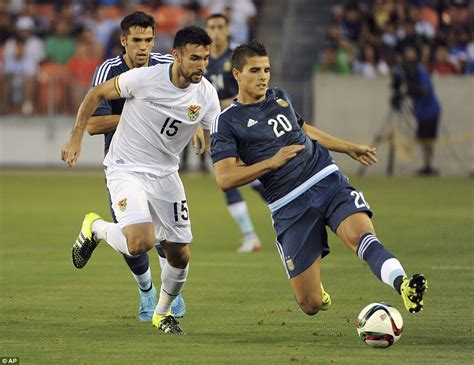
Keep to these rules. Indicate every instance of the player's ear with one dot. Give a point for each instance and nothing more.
(176, 55)
(123, 40)
(236, 74)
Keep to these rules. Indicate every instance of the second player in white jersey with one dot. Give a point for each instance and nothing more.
(158, 120)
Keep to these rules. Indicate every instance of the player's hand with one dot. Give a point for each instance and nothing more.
(70, 152)
(198, 142)
(284, 155)
(366, 155)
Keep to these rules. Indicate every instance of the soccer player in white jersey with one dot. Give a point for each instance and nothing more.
(137, 39)
(165, 104)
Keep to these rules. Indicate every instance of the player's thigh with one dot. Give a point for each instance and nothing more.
(307, 285)
(140, 234)
(352, 228)
(167, 200)
(129, 198)
(348, 215)
(301, 235)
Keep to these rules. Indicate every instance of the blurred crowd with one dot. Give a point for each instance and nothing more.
(50, 49)
(367, 38)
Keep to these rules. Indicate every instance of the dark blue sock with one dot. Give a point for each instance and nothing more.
(258, 187)
(138, 264)
(382, 263)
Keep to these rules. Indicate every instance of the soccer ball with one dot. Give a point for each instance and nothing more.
(379, 325)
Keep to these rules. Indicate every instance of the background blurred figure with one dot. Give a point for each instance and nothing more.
(81, 66)
(369, 63)
(60, 46)
(22, 54)
(219, 73)
(411, 79)
(331, 63)
(441, 65)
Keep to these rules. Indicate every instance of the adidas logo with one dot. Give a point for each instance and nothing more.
(251, 122)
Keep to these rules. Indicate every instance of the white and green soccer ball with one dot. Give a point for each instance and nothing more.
(379, 325)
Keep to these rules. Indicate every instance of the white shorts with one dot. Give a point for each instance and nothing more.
(139, 197)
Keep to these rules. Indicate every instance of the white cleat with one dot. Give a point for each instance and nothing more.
(250, 245)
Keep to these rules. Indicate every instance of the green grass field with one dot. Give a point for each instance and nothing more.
(240, 307)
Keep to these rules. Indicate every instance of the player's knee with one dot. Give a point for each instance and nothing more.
(177, 254)
(180, 260)
(138, 245)
(310, 306)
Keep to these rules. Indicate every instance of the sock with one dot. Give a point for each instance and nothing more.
(172, 282)
(140, 267)
(144, 280)
(112, 234)
(241, 216)
(258, 187)
(161, 255)
(382, 263)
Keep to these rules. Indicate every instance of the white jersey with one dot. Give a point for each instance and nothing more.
(158, 120)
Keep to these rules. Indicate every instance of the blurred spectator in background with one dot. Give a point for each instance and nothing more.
(441, 65)
(20, 71)
(81, 66)
(331, 64)
(22, 54)
(60, 46)
(369, 63)
(410, 79)
(389, 26)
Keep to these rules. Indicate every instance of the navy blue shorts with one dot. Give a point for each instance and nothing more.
(301, 224)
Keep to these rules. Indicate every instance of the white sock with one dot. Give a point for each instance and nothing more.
(143, 280)
(163, 261)
(172, 282)
(112, 234)
(240, 213)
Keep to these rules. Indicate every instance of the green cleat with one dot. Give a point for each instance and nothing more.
(326, 302)
(167, 323)
(412, 291)
(86, 242)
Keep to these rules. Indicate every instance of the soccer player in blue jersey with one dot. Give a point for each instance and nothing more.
(219, 72)
(137, 39)
(260, 136)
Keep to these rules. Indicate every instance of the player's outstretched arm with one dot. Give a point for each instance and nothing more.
(232, 173)
(364, 154)
(72, 149)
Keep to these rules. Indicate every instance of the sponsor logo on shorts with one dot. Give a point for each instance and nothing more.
(122, 204)
(289, 264)
(193, 112)
(181, 225)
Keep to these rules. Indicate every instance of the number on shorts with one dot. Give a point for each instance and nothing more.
(182, 212)
(359, 200)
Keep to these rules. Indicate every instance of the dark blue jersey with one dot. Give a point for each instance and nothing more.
(256, 132)
(219, 73)
(109, 69)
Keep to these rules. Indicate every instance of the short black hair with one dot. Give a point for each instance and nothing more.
(217, 15)
(250, 49)
(137, 19)
(191, 35)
